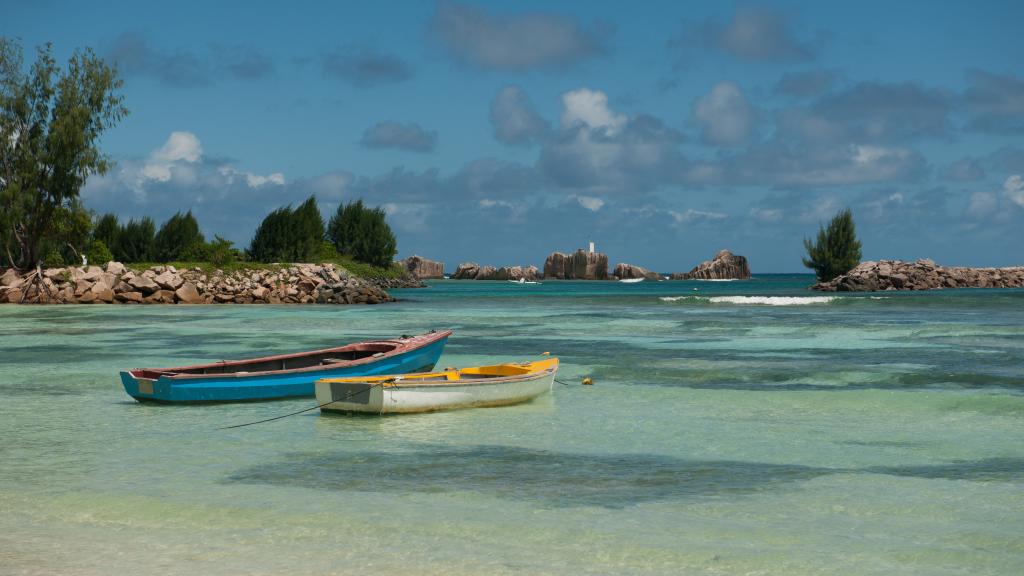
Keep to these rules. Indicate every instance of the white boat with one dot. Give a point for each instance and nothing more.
(498, 385)
(523, 281)
(631, 280)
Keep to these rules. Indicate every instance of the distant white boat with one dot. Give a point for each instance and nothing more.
(523, 281)
(631, 280)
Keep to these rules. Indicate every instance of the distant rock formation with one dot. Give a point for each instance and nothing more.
(624, 271)
(920, 275)
(580, 265)
(473, 271)
(725, 266)
(422, 268)
(466, 271)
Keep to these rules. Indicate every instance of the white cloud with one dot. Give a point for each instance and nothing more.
(982, 204)
(860, 164)
(491, 203)
(1014, 189)
(820, 209)
(590, 108)
(725, 116)
(690, 215)
(589, 202)
(410, 217)
(255, 180)
(599, 152)
(879, 207)
(767, 214)
(252, 180)
(179, 147)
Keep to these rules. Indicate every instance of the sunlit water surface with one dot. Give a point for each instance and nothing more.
(743, 428)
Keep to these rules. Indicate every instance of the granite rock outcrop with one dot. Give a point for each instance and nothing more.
(625, 271)
(422, 268)
(580, 265)
(474, 271)
(724, 266)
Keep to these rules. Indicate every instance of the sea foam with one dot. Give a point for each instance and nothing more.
(759, 300)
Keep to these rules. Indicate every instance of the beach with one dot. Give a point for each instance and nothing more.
(748, 427)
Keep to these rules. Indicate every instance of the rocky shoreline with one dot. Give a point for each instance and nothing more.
(116, 284)
(920, 275)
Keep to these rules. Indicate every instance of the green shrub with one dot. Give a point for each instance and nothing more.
(363, 233)
(220, 253)
(836, 250)
(97, 253)
(54, 259)
(178, 236)
(328, 253)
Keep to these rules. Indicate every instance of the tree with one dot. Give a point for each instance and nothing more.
(270, 242)
(179, 239)
(106, 230)
(363, 233)
(50, 125)
(836, 250)
(135, 241)
(308, 226)
(287, 235)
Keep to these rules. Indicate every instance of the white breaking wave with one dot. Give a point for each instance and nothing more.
(759, 300)
(715, 279)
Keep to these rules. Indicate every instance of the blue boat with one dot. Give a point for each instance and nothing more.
(285, 375)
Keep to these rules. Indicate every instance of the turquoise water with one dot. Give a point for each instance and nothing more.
(772, 435)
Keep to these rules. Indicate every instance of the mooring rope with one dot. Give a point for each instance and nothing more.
(346, 397)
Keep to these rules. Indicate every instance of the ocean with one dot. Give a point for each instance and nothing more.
(748, 427)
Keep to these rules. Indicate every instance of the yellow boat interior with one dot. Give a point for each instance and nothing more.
(450, 375)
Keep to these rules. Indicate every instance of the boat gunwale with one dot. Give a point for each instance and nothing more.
(401, 384)
(402, 381)
(401, 347)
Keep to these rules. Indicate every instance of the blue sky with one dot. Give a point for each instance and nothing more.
(499, 132)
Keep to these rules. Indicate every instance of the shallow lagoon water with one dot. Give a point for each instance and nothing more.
(724, 435)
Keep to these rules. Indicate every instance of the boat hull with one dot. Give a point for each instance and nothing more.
(269, 386)
(400, 399)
